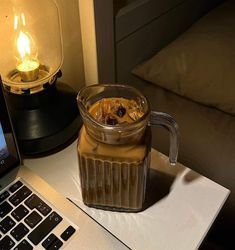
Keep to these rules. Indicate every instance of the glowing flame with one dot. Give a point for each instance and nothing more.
(23, 40)
(23, 45)
(27, 63)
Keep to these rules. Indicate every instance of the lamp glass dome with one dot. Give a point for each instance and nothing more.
(31, 44)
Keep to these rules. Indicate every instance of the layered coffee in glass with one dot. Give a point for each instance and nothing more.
(114, 146)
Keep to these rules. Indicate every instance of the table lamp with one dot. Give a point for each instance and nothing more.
(44, 112)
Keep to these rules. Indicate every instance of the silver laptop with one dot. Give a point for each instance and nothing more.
(32, 214)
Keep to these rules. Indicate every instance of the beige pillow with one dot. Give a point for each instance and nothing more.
(199, 64)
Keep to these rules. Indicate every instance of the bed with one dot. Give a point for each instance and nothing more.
(154, 46)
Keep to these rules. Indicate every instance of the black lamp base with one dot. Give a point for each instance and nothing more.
(44, 121)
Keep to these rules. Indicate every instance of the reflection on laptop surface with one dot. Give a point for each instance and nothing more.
(32, 214)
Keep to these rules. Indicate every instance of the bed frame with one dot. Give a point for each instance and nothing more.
(131, 33)
(127, 35)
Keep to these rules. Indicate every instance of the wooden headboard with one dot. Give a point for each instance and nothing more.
(131, 31)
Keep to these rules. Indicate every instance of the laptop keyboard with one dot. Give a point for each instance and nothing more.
(27, 220)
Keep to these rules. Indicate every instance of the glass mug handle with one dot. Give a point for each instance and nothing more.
(167, 121)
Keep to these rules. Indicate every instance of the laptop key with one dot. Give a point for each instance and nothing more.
(15, 186)
(67, 233)
(6, 243)
(6, 224)
(35, 202)
(44, 228)
(3, 196)
(33, 219)
(24, 245)
(49, 240)
(19, 231)
(56, 245)
(20, 195)
(20, 212)
(5, 208)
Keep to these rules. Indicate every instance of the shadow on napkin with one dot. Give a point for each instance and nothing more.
(158, 186)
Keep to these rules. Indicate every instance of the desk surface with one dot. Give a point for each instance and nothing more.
(181, 205)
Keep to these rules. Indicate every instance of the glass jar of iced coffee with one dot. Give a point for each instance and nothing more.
(114, 145)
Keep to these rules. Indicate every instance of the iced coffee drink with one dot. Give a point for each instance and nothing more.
(113, 174)
(114, 145)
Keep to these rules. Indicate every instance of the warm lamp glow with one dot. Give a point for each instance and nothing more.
(28, 65)
(23, 45)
